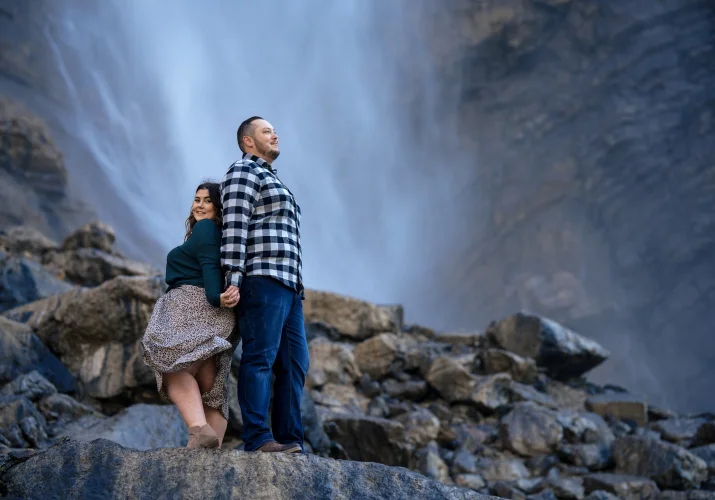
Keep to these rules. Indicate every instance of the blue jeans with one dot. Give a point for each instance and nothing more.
(270, 319)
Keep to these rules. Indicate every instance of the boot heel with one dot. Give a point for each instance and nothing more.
(208, 437)
(202, 437)
(194, 433)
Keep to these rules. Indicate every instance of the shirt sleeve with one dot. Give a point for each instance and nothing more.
(208, 253)
(240, 190)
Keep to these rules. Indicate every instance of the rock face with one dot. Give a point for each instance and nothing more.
(51, 191)
(174, 472)
(592, 130)
(353, 318)
(33, 177)
(28, 151)
(96, 332)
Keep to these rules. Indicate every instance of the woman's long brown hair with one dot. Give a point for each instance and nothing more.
(215, 194)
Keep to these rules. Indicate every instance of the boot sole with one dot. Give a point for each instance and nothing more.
(291, 449)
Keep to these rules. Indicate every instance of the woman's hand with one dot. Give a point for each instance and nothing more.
(230, 297)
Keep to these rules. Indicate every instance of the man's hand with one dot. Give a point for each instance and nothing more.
(230, 297)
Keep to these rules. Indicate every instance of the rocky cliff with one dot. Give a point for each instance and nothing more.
(49, 177)
(590, 131)
(505, 411)
(588, 128)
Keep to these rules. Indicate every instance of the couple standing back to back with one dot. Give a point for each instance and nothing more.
(238, 273)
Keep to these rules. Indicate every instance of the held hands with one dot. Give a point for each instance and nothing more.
(230, 297)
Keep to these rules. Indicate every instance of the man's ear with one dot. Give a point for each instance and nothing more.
(247, 141)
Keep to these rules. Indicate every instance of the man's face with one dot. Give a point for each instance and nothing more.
(265, 139)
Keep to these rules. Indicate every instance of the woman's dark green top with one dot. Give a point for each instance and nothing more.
(198, 261)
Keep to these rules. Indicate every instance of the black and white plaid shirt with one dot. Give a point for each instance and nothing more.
(261, 225)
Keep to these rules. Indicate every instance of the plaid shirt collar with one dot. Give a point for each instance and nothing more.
(263, 163)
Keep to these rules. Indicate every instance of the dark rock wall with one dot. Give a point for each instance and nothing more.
(53, 179)
(592, 128)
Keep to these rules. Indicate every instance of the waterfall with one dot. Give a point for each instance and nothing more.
(158, 89)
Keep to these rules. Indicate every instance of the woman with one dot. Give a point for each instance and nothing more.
(187, 339)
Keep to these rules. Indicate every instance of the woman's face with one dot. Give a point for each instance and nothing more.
(203, 208)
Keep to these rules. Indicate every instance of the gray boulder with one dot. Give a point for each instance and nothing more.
(669, 465)
(21, 425)
(620, 406)
(24, 280)
(32, 385)
(74, 469)
(26, 240)
(707, 453)
(96, 332)
(679, 430)
(21, 351)
(623, 486)
(313, 430)
(61, 409)
(369, 439)
(92, 235)
(92, 267)
(563, 354)
(531, 430)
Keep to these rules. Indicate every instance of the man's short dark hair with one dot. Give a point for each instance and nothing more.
(245, 129)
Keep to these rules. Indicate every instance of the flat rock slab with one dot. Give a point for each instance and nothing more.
(107, 470)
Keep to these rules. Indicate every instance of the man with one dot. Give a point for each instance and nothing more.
(261, 256)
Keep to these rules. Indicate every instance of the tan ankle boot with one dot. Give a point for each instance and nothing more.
(202, 437)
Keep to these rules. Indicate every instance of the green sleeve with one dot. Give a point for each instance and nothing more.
(208, 253)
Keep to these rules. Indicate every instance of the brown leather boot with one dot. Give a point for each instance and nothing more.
(202, 437)
(273, 447)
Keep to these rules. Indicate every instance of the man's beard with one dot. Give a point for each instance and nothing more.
(268, 153)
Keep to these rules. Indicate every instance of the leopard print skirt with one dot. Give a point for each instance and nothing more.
(183, 329)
